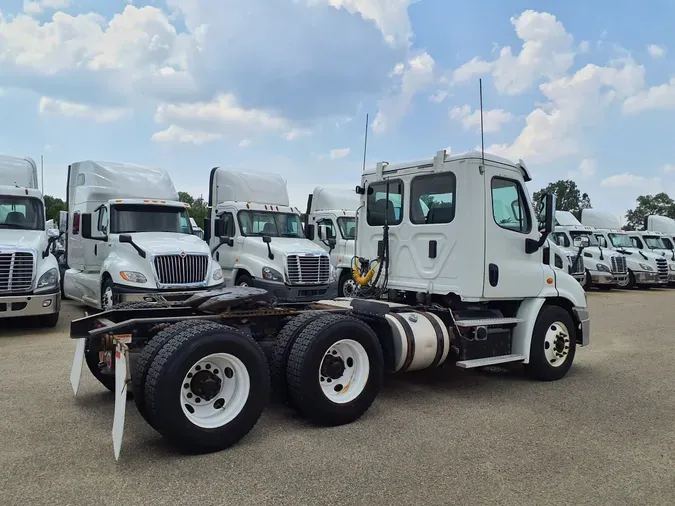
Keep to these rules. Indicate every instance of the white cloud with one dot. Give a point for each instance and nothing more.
(244, 143)
(390, 16)
(656, 51)
(39, 6)
(222, 116)
(339, 153)
(177, 134)
(669, 168)
(51, 106)
(439, 96)
(493, 120)
(546, 52)
(587, 170)
(297, 133)
(657, 97)
(647, 185)
(417, 75)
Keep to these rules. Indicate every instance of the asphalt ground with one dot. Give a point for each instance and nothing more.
(605, 434)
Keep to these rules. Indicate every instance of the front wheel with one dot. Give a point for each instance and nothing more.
(346, 285)
(588, 280)
(629, 282)
(553, 344)
(335, 370)
(244, 280)
(109, 296)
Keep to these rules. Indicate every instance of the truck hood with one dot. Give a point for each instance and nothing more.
(637, 254)
(288, 245)
(160, 243)
(15, 238)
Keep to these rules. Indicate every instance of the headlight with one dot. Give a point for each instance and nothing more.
(671, 267)
(272, 275)
(646, 267)
(603, 267)
(49, 279)
(133, 276)
(332, 276)
(217, 274)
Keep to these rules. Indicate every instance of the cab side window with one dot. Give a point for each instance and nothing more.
(377, 207)
(601, 240)
(102, 226)
(326, 229)
(509, 206)
(432, 198)
(636, 242)
(562, 240)
(228, 218)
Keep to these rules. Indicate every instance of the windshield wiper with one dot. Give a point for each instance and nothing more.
(15, 225)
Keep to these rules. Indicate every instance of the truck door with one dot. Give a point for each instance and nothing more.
(510, 272)
(325, 229)
(102, 249)
(227, 255)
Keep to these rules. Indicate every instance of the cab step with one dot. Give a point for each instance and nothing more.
(487, 322)
(484, 362)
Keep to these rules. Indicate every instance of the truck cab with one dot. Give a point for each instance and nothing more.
(331, 214)
(29, 274)
(645, 269)
(130, 239)
(258, 239)
(603, 268)
(658, 243)
(460, 231)
(567, 258)
(662, 224)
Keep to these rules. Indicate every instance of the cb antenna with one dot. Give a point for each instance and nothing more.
(365, 145)
(482, 138)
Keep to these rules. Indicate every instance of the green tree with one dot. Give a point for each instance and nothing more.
(568, 196)
(198, 208)
(660, 204)
(53, 205)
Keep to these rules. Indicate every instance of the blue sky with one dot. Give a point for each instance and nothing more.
(285, 86)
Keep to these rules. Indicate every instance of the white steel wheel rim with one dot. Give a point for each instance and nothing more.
(343, 372)
(557, 344)
(349, 288)
(243, 283)
(108, 301)
(215, 390)
(624, 281)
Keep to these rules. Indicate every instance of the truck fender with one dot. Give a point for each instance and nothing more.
(522, 334)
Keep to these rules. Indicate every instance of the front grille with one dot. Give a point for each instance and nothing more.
(576, 267)
(619, 265)
(181, 270)
(662, 265)
(16, 271)
(308, 269)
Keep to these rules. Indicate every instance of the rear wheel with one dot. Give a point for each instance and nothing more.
(92, 358)
(206, 388)
(335, 370)
(553, 344)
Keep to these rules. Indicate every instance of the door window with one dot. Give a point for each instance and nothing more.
(561, 239)
(432, 198)
(228, 219)
(601, 240)
(377, 207)
(636, 242)
(509, 207)
(326, 229)
(103, 220)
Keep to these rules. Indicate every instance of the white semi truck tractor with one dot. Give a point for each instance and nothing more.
(658, 243)
(129, 239)
(602, 267)
(645, 269)
(29, 274)
(568, 258)
(662, 224)
(258, 240)
(331, 214)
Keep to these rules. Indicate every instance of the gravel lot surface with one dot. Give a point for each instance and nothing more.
(603, 435)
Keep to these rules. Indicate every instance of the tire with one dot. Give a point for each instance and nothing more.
(588, 281)
(109, 298)
(244, 279)
(91, 358)
(306, 362)
(551, 319)
(282, 349)
(140, 305)
(345, 278)
(165, 391)
(49, 320)
(148, 354)
(630, 283)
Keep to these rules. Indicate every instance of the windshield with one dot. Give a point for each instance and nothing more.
(24, 213)
(271, 224)
(127, 218)
(347, 227)
(667, 243)
(620, 241)
(654, 242)
(593, 241)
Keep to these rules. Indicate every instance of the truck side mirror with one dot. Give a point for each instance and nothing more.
(582, 241)
(219, 228)
(329, 234)
(207, 229)
(267, 239)
(85, 225)
(53, 233)
(331, 242)
(547, 213)
(63, 221)
(124, 238)
(309, 232)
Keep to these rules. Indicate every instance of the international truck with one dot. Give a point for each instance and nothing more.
(129, 239)
(645, 269)
(486, 294)
(331, 214)
(29, 274)
(258, 240)
(603, 268)
(658, 243)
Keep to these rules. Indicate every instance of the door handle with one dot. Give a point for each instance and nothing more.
(493, 274)
(433, 246)
(95, 249)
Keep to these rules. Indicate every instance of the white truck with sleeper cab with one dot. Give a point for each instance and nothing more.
(129, 238)
(603, 268)
(331, 214)
(645, 269)
(257, 238)
(29, 274)
(658, 243)
(662, 224)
